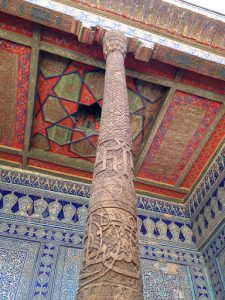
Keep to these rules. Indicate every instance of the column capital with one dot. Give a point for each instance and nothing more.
(114, 41)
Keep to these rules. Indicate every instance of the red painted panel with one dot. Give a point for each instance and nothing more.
(182, 129)
(15, 24)
(15, 60)
(10, 157)
(58, 169)
(212, 144)
(160, 191)
(204, 82)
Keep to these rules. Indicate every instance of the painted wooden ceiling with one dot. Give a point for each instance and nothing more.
(51, 94)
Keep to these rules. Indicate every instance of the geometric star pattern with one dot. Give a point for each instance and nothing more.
(68, 107)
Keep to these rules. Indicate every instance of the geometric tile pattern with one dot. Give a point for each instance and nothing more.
(10, 273)
(200, 284)
(68, 259)
(34, 207)
(212, 144)
(162, 229)
(17, 267)
(83, 190)
(221, 265)
(214, 255)
(154, 205)
(57, 261)
(67, 273)
(216, 278)
(214, 174)
(68, 107)
(57, 272)
(14, 69)
(53, 212)
(165, 281)
(182, 129)
(46, 267)
(212, 213)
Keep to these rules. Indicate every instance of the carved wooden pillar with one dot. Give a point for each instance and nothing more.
(111, 265)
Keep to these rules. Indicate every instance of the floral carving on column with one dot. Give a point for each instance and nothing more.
(111, 263)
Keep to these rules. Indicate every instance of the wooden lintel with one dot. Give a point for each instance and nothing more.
(15, 37)
(32, 88)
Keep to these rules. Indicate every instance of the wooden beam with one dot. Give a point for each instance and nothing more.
(32, 89)
(161, 197)
(15, 37)
(58, 174)
(73, 55)
(200, 92)
(161, 185)
(11, 150)
(76, 163)
(9, 163)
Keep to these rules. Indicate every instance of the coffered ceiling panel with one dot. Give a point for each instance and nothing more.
(184, 126)
(14, 70)
(68, 108)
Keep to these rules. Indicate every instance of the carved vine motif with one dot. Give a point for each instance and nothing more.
(111, 264)
(110, 242)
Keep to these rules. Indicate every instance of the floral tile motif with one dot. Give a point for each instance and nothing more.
(67, 274)
(17, 265)
(221, 265)
(208, 216)
(165, 281)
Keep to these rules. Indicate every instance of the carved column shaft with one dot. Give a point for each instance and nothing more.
(111, 265)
